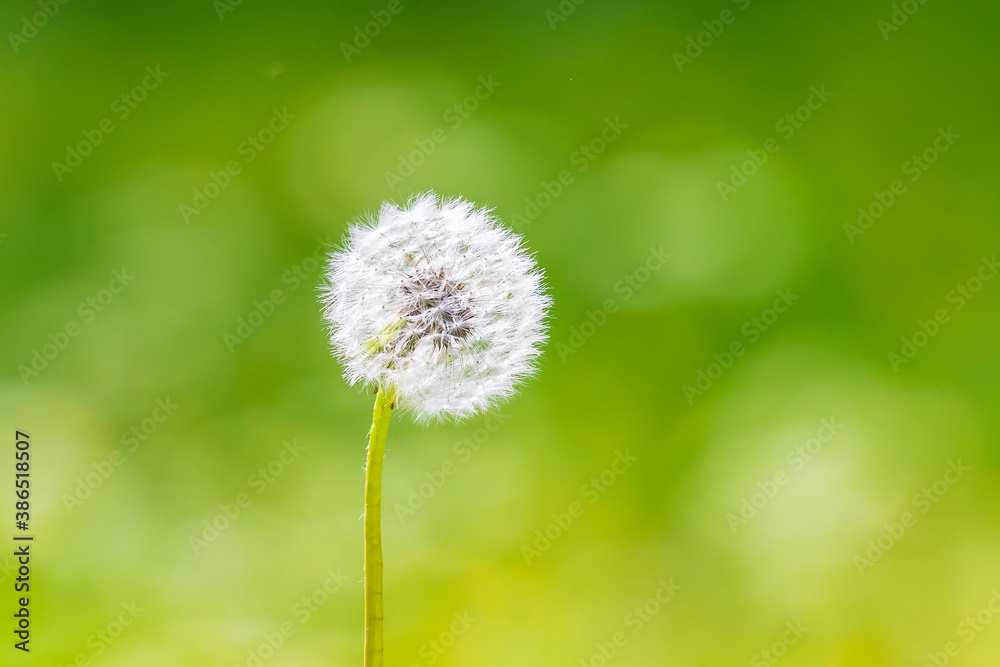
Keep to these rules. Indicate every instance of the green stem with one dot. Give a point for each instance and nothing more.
(373, 527)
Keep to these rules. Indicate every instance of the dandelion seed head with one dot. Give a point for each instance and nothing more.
(438, 301)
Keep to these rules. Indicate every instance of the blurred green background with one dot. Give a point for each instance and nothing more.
(863, 542)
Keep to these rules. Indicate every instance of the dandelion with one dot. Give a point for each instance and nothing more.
(440, 309)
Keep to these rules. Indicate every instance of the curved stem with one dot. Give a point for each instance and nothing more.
(373, 527)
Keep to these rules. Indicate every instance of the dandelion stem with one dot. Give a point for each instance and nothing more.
(384, 401)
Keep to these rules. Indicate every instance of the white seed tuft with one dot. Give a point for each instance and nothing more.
(438, 301)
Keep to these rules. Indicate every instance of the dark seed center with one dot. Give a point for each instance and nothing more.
(436, 308)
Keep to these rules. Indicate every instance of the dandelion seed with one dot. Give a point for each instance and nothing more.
(438, 302)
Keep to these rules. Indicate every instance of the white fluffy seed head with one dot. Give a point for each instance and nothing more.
(438, 302)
